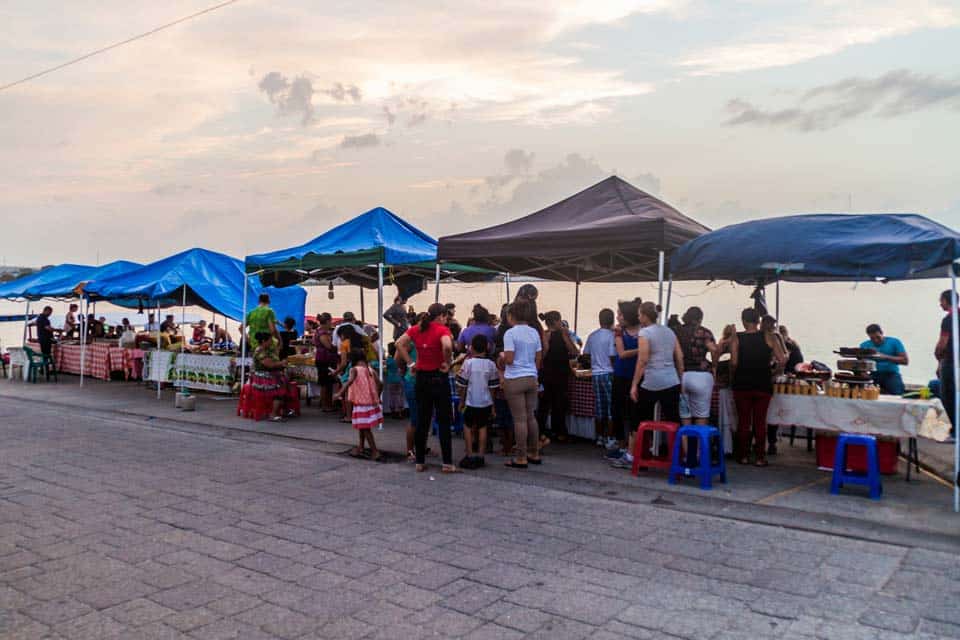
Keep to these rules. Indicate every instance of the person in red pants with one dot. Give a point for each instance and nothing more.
(755, 358)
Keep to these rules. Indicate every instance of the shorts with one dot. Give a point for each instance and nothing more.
(477, 417)
(603, 394)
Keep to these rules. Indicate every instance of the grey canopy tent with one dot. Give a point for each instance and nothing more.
(831, 248)
(610, 232)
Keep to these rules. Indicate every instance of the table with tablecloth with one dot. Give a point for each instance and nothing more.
(889, 416)
(202, 372)
(100, 358)
(580, 414)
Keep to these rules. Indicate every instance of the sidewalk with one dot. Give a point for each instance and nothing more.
(791, 492)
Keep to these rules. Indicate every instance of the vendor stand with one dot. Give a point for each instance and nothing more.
(832, 248)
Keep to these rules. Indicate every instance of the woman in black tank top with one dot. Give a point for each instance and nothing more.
(556, 375)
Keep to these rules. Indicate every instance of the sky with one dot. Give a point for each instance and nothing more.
(263, 124)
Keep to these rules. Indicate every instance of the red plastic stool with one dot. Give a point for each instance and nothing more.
(643, 441)
(254, 405)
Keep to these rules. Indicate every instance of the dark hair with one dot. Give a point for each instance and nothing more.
(768, 320)
(392, 349)
(750, 316)
(693, 316)
(450, 306)
(606, 317)
(480, 314)
(356, 356)
(649, 310)
(264, 298)
(630, 310)
(550, 317)
(349, 332)
(947, 296)
(479, 343)
(289, 323)
(873, 328)
(434, 311)
(505, 313)
(521, 310)
(527, 292)
(324, 318)
(261, 337)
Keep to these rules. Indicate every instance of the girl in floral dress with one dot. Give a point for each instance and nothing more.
(363, 392)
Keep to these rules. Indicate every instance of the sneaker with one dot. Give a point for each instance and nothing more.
(623, 462)
(615, 453)
(611, 443)
(600, 442)
(479, 461)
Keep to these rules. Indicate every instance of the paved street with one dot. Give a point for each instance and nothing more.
(110, 528)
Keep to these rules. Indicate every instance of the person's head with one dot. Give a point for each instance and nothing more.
(875, 333)
(945, 299)
(357, 357)
(505, 314)
(693, 317)
(349, 317)
(783, 331)
(264, 299)
(392, 349)
(435, 313)
(480, 314)
(73, 308)
(47, 310)
(101, 319)
(125, 322)
(606, 318)
(151, 317)
(628, 312)
(324, 319)
(170, 318)
(750, 318)
(478, 345)
(349, 332)
(552, 320)
(451, 310)
(768, 324)
(289, 323)
(648, 313)
(398, 300)
(263, 338)
(520, 311)
(527, 292)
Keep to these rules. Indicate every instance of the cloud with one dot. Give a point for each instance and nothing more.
(291, 98)
(171, 189)
(647, 182)
(341, 92)
(362, 141)
(533, 192)
(518, 161)
(822, 28)
(893, 94)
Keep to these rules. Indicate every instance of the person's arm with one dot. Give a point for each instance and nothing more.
(538, 359)
(900, 357)
(273, 326)
(734, 354)
(940, 351)
(622, 352)
(643, 356)
(403, 350)
(678, 358)
(446, 343)
(346, 385)
(779, 351)
(572, 350)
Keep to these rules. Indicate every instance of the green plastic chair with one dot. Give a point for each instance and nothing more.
(39, 362)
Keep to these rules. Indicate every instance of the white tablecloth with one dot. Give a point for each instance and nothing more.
(204, 372)
(888, 416)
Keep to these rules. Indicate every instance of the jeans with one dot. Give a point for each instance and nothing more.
(623, 410)
(752, 420)
(889, 382)
(669, 400)
(947, 386)
(521, 394)
(433, 396)
(554, 403)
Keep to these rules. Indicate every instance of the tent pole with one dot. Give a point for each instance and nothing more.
(84, 304)
(660, 259)
(778, 300)
(576, 305)
(666, 312)
(506, 278)
(363, 311)
(436, 295)
(243, 337)
(159, 374)
(380, 318)
(183, 337)
(955, 333)
(26, 324)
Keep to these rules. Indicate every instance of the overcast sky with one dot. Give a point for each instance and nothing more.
(265, 123)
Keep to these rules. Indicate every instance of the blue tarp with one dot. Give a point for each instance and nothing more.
(68, 286)
(820, 248)
(213, 281)
(18, 288)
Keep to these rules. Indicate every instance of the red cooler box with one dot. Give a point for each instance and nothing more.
(887, 451)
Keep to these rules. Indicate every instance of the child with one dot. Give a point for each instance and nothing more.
(363, 391)
(477, 377)
(393, 385)
(602, 347)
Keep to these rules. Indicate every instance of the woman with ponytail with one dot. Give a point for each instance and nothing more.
(434, 344)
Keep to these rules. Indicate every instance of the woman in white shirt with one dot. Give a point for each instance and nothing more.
(522, 352)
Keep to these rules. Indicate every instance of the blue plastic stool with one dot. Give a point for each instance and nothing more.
(841, 476)
(456, 418)
(705, 468)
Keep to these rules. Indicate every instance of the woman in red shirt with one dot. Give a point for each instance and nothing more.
(434, 344)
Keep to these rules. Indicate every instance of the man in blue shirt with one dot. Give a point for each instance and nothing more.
(890, 355)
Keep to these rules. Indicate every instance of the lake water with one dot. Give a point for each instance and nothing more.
(821, 317)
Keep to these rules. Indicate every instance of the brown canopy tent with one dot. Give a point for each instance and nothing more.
(610, 232)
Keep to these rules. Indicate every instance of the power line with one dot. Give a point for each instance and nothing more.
(117, 44)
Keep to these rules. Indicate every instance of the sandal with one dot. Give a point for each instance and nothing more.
(277, 419)
(515, 465)
(421, 468)
(379, 458)
(356, 453)
(449, 468)
(534, 461)
(761, 462)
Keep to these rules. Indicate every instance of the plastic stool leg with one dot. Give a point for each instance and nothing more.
(873, 472)
(635, 470)
(706, 477)
(723, 462)
(839, 461)
(675, 459)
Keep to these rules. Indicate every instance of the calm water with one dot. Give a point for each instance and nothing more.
(821, 317)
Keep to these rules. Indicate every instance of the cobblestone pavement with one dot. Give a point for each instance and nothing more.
(110, 529)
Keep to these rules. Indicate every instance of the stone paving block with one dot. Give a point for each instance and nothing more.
(113, 593)
(409, 597)
(333, 604)
(345, 629)
(248, 581)
(56, 611)
(138, 612)
(504, 576)
(94, 626)
(585, 607)
(191, 595)
(158, 631)
(491, 631)
(279, 621)
(230, 630)
(322, 580)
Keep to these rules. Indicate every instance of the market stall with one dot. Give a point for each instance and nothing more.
(837, 248)
(200, 372)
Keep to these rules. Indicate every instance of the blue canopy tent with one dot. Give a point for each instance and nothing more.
(71, 285)
(825, 248)
(359, 251)
(198, 277)
(17, 289)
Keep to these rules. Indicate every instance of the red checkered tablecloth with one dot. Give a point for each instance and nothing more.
(582, 402)
(101, 359)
